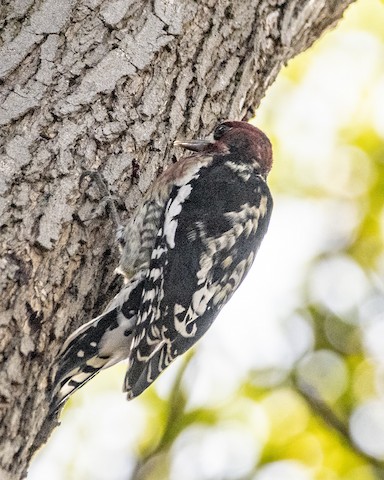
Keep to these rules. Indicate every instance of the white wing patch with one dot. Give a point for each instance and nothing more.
(172, 210)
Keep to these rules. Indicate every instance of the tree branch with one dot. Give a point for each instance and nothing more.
(327, 415)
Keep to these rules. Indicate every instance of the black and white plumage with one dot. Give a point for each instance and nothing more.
(184, 254)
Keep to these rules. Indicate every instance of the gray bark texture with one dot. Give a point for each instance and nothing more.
(106, 85)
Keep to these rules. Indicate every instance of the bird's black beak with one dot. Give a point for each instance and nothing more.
(194, 145)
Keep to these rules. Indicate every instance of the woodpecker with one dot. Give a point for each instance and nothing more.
(183, 255)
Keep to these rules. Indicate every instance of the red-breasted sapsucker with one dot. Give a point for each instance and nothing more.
(184, 253)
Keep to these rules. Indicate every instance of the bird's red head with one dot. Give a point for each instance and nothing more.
(242, 139)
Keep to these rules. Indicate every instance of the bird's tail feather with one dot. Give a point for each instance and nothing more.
(96, 345)
(80, 358)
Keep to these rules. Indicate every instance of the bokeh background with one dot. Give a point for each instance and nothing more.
(289, 382)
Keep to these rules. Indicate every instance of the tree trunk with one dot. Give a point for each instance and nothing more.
(107, 85)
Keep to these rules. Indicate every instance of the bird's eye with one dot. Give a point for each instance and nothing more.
(220, 130)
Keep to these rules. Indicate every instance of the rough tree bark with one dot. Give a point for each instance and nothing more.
(107, 85)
